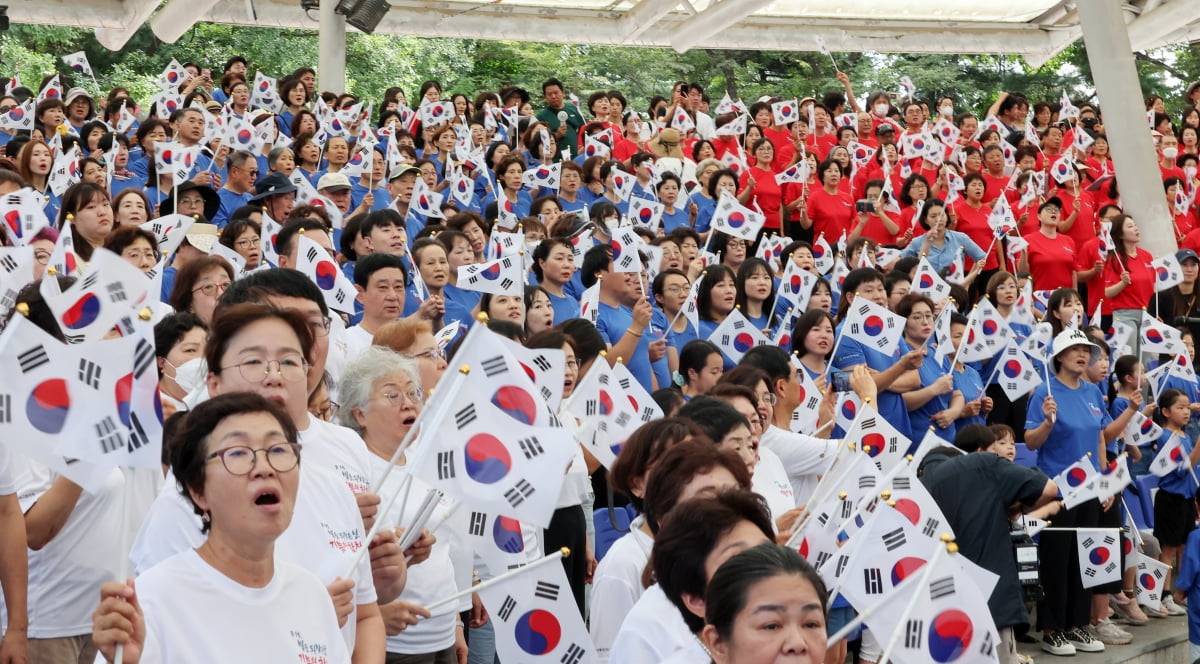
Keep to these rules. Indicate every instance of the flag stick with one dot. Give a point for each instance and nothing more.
(550, 557)
(412, 533)
(916, 597)
(1065, 529)
(828, 482)
(903, 586)
(123, 551)
(1132, 526)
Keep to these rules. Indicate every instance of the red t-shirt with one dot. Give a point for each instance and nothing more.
(831, 214)
(1084, 227)
(1192, 241)
(766, 194)
(1086, 256)
(820, 144)
(1051, 261)
(1141, 287)
(996, 187)
(975, 224)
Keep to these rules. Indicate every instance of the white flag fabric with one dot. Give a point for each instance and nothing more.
(796, 285)
(78, 62)
(927, 282)
(589, 303)
(873, 326)
(173, 76)
(53, 89)
(646, 213)
(89, 308)
(543, 176)
(1151, 579)
(19, 117)
(437, 113)
(599, 401)
(1156, 337)
(823, 256)
(622, 183)
(1113, 478)
(170, 230)
(785, 112)
(16, 271)
(1077, 482)
(65, 171)
(644, 406)
(23, 215)
(625, 245)
(1170, 458)
(489, 453)
(1167, 272)
(806, 414)
(501, 542)
(1099, 556)
(318, 265)
(931, 441)
(878, 438)
(987, 333)
(536, 620)
(263, 94)
(736, 335)
(733, 218)
(1141, 430)
(502, 276)
(1015, 373)
(63, 257)
(798, 172)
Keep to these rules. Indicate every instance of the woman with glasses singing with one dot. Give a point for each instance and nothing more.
(237, 464)
(414, 338)
(200, 284)
(936, 402)
(254, 348)
(381, 397)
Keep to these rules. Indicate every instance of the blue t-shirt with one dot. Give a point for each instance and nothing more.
(459, 304)
(970, 384)
(1077, 428)
(705, 207)
(1188, 581)
(707, 327)
(677, 219)
(565, 307)
(889, 404)
(519, 208)
(612, 323)
(920, 419)
(230, 201)
(657, 329)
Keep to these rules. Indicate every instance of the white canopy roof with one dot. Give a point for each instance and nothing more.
(1034, 29)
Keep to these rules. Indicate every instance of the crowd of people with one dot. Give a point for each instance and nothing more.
(625, 228)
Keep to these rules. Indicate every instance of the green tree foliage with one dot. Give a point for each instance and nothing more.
(376, 62)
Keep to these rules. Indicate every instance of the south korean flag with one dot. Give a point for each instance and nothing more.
(536, 620)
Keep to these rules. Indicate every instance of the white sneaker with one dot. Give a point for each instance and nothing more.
(1056, 643)
(1106, 632)
(1172, 608)
(1083, 641)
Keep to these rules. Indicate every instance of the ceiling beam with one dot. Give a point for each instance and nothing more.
(178, 17)
(642, 16)
(100, 14)
(137, 11)
(696, 30)
(1148, 29)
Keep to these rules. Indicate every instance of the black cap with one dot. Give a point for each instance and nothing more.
(1185, 255)
(272, 184)
(1053, 200)
(212, 202)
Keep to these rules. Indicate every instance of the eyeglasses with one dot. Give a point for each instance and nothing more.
(248, 243)
(328, 412)
(256, 369)
(768, 398)
(212, 290)
(435, 353)
(134, 254)
(675, 290)
(41, 256)
(414, 396)
(240, 459)
(920, 317)
(319, 326)
(572, 364)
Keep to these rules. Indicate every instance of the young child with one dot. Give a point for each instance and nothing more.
(1128, 374)
(1005, 444)
(1174, 504)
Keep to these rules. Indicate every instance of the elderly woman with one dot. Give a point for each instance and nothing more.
(229, 594)
(381, 398)
(256, 348)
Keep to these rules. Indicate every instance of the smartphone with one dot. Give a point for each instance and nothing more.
(206, 73)
(865, 205)
(841, 381)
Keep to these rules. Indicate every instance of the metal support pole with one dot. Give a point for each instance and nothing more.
(331, 63)
(1111, 58)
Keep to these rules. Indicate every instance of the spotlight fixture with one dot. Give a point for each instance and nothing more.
(310, 5)
(367, 14)
(3, 17)
(345, 7)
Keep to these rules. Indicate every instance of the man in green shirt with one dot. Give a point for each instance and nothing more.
(563, 119)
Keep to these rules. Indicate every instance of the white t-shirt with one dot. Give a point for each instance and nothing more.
(706, 127)
(804, 458)
(652, 631)
(65, 575)
(357, 340)
(433, 579)
(617, 585)
(694, 653)
(323, 538)
(576, 483)
(196, 614)
(337, 448)
(771, 482)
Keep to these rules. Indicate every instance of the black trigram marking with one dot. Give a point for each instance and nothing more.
(573, 655)
(546, 590)
(143, 358)
(866, 481)
(340, 296)
(894, 539)
(108, 435)
(914, 634)
(902, 484)
(530, 447)
(494, 366)
(823, 557)
(137, 433)
(5, 408)
(590, 407)
(541, 363)
(312, 254)
(986, 647)
(89, 373)
(941, 588)
(1088, 542)
(1091, 571)
(9, 264)
(518, 493)
(478, 521)
(739, 324)
(625, 383)
(33, 358)
(465, 416)
(1110, 540)
(90, 280)
(872, 581)
(506, 608)
(445, 465)
(506, 283)
(116, 292)
(931, 526)
(866, 424)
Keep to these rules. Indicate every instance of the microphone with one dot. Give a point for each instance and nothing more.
(1186, 320)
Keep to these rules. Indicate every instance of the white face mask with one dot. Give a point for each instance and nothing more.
(612, 223)
(1170, 153)
(1190, 171)
(191, 374)
(946, 111)
(530, 246)
(881, 109)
